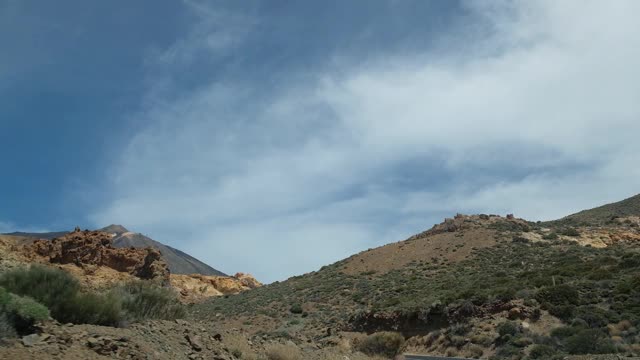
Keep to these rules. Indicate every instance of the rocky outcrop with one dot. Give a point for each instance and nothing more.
(95, 248)
(195, 287)
(409, 323)
(247, 280)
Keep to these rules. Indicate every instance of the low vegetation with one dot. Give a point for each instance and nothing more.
(18, 314)
(591, 290)
(33, 294)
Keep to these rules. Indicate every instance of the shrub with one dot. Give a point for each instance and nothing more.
(474, 351)
(589, 341)
(562, 312)
(24, 312)
(96, 309)
(4, 297)
(565, 331)
(570, 232)
(550, 236)
(630, 260)
(541, 351)
(296, 309)
(508, 328)
(282, 352)
(593, 316)
(558, 295)
(146, 300)
(51, 287)
(382, 343)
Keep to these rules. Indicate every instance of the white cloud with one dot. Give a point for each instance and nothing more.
(282, 183)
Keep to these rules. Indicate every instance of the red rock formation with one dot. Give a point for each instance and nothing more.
(84, 248)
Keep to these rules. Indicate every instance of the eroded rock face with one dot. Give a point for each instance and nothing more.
(195, 287)
(247, 280)
(95, 248)
(407, 323)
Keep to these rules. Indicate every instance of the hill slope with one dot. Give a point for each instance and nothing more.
(601, 215)
(178, 261)
(473, 286)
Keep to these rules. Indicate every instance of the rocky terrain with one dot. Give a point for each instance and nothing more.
(474, 286)
(478, 286)
(177, 261)
(94, 260)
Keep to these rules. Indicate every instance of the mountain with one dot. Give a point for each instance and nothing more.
(178, 261)
(603, 214)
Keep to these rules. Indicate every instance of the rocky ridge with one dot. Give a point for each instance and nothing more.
(93, 259)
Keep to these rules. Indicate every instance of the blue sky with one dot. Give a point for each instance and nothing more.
(276, 137)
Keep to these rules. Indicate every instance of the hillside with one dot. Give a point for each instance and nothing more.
(474, 286)
(178, 261)
(606, 214)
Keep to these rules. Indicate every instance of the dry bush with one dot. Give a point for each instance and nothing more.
(239, 347)
(451, 352)
(283, 352)
(473, 351)
(382, 343)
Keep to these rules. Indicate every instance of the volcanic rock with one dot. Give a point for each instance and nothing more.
(95, 248)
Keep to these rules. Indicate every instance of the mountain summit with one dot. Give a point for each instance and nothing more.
(115, 229)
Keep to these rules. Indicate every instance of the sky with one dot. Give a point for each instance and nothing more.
(276, 137)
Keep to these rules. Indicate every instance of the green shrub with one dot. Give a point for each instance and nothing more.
(562, 312)
(27, 308)
(589, 341)
(146, 300)
(570, 232)
(296, 309)
(24, 312)
(565, 331)
(51, 287)
(630, 260)
(550, 236)
(95, 309)
(4, 297)
(541, 351)
(593, 316)
(508, 328)
(558, 295)
(382, 343)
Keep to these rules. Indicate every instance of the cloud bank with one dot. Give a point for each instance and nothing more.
(529, 107)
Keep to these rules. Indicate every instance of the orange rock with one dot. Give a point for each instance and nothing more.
(195, 287)
(94, 248)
